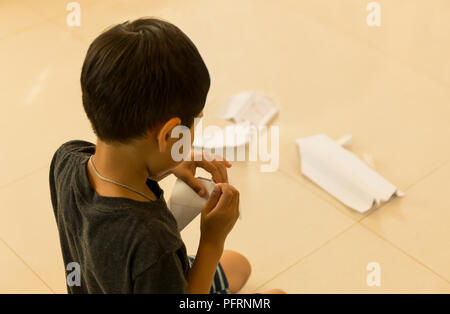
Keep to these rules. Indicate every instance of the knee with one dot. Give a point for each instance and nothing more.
(239, 262)
(237, 269)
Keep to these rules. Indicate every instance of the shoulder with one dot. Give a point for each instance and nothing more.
(74, 146)
(68, 149)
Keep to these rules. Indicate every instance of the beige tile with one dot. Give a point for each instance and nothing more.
(419, 222)
(42, 98)
(414, 32)
(281, 222)
(58, 8)
(27, 224)
(16, 17)
(98, 16)
(15, 276)
(340, 267)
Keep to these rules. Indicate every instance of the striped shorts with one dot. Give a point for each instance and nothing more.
(220, 282)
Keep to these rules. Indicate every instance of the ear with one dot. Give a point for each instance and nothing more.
(164, 133)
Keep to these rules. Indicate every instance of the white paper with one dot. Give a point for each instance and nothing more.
(342, 174)
(345, 141)
(246, 110)
(185, 204)
(232, 105)
(248, 107)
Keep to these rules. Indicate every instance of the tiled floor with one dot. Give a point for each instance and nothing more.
(329, 72)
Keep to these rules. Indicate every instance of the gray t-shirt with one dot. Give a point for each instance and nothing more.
(121, 245)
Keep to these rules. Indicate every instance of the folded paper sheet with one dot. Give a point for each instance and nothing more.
(247, 110)
(248, 107)
(342, 174)
(185, 204)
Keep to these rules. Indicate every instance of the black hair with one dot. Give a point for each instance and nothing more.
(139, 74)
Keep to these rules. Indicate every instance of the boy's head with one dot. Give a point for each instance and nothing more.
(139, 75)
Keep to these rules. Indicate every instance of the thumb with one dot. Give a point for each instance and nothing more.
(213, 199)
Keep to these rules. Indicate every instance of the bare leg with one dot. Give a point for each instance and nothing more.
(274, 291)
(237, 269)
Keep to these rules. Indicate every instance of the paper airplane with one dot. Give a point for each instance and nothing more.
(342, 174)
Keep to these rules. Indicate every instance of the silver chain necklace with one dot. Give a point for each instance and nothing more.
(117, 183)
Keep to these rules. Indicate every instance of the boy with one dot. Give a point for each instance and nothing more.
(139, 81)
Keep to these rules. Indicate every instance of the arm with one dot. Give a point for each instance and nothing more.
(202, 271)
(217, 219)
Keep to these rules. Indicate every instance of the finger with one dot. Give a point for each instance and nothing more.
(213, 199)
(222, 160)
(195, 184)
(223, 171)
(226, 163)
(225, 198)
(212, 169)
(235, 203)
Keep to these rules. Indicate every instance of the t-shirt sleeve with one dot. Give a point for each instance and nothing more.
(59, 165)
(166, 275)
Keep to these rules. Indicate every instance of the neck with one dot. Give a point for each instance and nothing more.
(124, 164)
(120, 161)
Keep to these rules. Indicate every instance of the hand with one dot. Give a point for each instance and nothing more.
(219, 215)
(217, 168)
